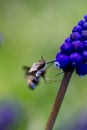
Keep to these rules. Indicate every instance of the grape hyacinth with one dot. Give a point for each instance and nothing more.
(73, 52)
(72, 57)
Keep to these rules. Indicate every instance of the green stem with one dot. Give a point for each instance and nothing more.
(59, 100)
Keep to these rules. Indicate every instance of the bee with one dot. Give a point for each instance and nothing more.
(35, 72)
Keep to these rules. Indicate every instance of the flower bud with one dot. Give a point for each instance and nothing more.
(85, 44)
(84, 34)
(68, 39)
(75, 36)
(75, 59)
(62, 60)
(81, 22)
(84, 56)
(85, 25)
(77, 46)
(81, 69)
(85, 17)
(77, 28)
(66, 48)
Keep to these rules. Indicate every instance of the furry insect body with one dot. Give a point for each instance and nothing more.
(34, 73)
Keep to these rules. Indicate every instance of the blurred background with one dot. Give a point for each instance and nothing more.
(30, 29)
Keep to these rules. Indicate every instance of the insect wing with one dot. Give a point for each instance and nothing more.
(34, 67)
(41, 71)
(53, 75)
(26, 68)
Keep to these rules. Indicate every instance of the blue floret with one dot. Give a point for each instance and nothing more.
(77, 28)
(77, 46)
(81, 69)
(66, 48)
(85, 17)
(75, 36)
(75, 59)
(84, 56)
(62, 60)
(85, 44)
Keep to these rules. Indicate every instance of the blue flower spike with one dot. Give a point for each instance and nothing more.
(71, 57)
(73, 52)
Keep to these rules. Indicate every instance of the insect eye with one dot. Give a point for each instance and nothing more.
(57, 64)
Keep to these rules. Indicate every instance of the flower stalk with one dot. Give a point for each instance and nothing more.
(59, 99)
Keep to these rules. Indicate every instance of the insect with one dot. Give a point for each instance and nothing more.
(34, 73)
